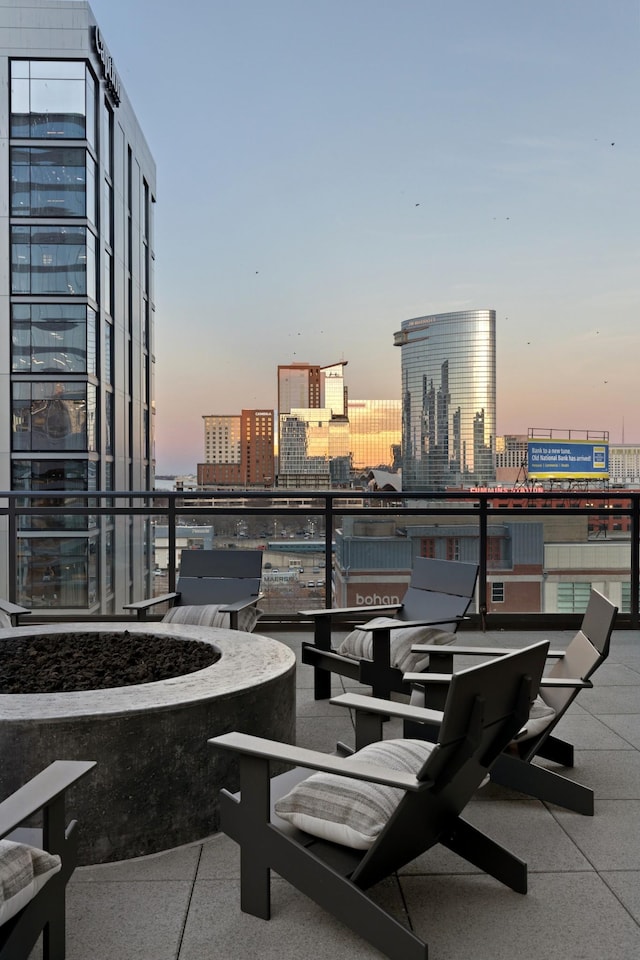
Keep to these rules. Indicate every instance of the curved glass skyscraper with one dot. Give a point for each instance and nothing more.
(448, 399)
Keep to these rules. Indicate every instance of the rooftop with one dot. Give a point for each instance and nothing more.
(584, 872)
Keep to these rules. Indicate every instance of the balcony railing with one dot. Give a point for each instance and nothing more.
(538, 552)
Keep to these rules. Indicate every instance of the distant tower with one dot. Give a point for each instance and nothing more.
(313, 427)
(448, 399)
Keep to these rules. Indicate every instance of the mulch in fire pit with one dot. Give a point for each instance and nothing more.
(89, 661)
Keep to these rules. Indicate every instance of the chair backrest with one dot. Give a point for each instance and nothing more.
(439, 589)
(588, 649)
(485, 707)
(218, 576)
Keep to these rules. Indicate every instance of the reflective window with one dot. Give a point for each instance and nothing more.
(53, 260)
(108, 353)
(48, 182)
(43, 475)
(106, 147)
(52, 99)
(52, 338)
(106, 290)
(57, 571)
(53, 416)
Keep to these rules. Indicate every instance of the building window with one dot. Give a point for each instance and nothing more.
(428, 547)
(57, 571)
(53, 260)
(497, 591)
(52, 182)
(453, 548)
(44, 475)
(52, 338)
(53, 416)
(573, 597)
(52, 99)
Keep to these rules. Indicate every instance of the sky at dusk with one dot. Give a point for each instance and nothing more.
(329, 168)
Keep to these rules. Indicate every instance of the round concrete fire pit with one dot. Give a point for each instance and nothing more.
(156, 782)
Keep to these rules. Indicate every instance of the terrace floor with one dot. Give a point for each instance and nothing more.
(584, 872)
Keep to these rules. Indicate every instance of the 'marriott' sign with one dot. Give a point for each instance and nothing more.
(111, 78)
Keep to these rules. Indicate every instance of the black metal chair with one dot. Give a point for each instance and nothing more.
(41, 900)
(438, 597)
(571, 673)
(214, 588)
(10, 614)
(431, 784)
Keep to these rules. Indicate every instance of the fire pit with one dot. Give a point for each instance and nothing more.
(156, 782)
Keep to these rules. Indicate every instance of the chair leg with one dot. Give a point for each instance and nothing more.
(477, 848)
(54, 931)
(542, 783)
(349, 904)
(553, 748)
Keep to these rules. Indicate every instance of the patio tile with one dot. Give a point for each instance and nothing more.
(525, 827)
(616, 674)
(564, 915)
(178, 864)
(626, 725)
(324, 736)
(626, 886)
(613, 775)
(610, 839)
(216, 928)
(586, 732)
(220, 859)
(615, 699)
(132, 920)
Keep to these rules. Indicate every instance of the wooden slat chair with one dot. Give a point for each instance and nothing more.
(37, 878)
(216, 588)
(378, 653)
(325, 834)
(570, 674)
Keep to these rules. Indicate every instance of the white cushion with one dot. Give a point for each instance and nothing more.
(540, 716)
(5, 620)
(24, 870)
(359, 644)
(348, 811)
(210, 615)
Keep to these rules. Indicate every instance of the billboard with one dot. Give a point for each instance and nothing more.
(567, 460)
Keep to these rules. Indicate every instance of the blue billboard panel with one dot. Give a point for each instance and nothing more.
(567, 460)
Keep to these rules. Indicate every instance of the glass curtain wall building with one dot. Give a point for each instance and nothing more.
(448, 399)
(76, 307)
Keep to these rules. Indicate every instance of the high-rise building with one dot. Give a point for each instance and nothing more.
(375, 430)
(313, 427)
(448, 399)
(239, 450)
(77, 189)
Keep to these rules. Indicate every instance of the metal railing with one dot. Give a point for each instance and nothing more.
(613, 515)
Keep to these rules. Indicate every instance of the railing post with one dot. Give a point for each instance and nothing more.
(482, 564)
(635, 562)
(328, 552)
(12, 565)
(171, 531)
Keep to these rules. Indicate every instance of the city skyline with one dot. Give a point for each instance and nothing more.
(360, 163)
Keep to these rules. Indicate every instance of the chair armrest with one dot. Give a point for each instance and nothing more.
(240, 604)
(424, 678)
(559, 682)
(39, 792)
(468, 651)
(389, 708)
(244, 743)
(13, 611)
(152, 602)
(346, 611)
(403, 624)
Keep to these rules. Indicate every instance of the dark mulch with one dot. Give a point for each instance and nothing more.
(76, 661)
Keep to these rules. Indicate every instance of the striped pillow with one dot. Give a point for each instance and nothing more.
(210, 615)
(359, 644)
(348, 811)
(24, 870)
